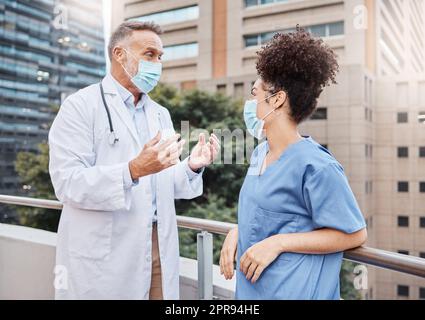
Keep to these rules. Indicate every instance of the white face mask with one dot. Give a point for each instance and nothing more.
(255, 125)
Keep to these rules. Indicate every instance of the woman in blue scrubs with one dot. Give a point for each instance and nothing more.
(297, 212)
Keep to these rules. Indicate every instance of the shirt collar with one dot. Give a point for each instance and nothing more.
(126, 95)
(123, 92)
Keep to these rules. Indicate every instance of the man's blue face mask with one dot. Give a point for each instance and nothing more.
(147, 76)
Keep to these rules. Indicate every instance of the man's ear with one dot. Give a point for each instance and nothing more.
(118, 54)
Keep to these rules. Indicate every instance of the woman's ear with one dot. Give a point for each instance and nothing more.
(280, 99)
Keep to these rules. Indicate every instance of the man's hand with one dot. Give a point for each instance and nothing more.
(156, 157)
(228, 254)
(259, 257)
(203, 154)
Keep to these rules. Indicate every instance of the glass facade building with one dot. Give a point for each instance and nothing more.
(48, 50)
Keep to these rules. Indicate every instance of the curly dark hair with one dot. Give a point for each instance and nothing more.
(300, 65)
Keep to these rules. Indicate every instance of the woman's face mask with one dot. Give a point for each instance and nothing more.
(255, 125)
(147, 76)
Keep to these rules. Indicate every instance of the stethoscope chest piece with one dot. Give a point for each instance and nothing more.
(113, 138)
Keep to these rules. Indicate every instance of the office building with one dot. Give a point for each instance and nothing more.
(372, 121)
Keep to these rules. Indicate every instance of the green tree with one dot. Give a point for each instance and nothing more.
(348, 292)
(33, 170)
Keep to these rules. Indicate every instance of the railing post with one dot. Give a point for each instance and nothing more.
(205, 265)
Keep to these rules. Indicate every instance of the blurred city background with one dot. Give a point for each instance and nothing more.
(373, 120)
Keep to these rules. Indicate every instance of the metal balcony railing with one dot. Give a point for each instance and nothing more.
(375, 257)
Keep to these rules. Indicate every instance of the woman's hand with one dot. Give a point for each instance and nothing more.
(228, 254)
(259, 257)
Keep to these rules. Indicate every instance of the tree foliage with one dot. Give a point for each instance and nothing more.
(33, 170)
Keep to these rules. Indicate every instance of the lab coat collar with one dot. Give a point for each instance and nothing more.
(153, 114)
(152, 109)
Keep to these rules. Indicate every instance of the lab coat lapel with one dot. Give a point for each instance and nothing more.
(115, 102)
(153, 115)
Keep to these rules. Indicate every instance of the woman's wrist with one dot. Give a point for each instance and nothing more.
(283, 243)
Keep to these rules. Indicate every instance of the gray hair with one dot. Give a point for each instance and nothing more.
(126, 29)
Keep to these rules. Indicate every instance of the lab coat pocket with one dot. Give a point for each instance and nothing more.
(90, 234)
(266, 223)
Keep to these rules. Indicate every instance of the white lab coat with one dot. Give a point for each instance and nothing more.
(105, 231)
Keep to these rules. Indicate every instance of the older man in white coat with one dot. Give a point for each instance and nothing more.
(114, 164)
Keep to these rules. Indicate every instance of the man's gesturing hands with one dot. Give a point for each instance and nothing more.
(156, 157)
(204, 153)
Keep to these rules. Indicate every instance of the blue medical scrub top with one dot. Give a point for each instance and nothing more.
(304, 190)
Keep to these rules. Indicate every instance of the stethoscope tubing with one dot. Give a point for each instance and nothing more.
(113, 139)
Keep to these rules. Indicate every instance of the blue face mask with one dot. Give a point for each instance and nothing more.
(147, 76)
(255, 125)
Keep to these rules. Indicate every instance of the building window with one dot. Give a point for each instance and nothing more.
(368, 113)
(222, 88)
(422, 222)
(368, 187)
(422, 187)
(320, 114)
(403, 152)
(403, 186)
(402, 291)
(252, 41)
(180, 51)
(402, 117)
(405, 252)
(320, 30)
(421, 117)
(370, 223)
(251, 3)
(327, 30)
(336, 29)
(368, 151)
(422, 152)
(171, 16)
(403, 221)
(238, 90)
(422, 293)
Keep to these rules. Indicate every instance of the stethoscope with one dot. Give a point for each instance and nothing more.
(113, 139)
